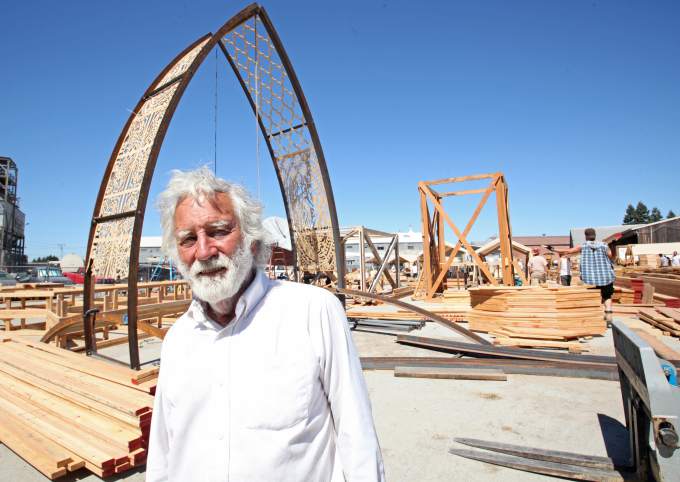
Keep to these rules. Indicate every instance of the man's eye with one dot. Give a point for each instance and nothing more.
(187, 242)
(220, 233)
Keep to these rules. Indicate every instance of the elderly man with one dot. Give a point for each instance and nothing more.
(259, 379)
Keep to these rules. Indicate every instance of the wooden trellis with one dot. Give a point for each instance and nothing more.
(435, 262)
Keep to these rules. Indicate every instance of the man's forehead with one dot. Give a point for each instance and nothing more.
(219, 201)
(204, 209)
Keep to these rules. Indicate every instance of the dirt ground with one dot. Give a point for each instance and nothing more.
(417, 419)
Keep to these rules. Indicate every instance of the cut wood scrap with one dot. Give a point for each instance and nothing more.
(661, 349)
(450, 373)
(529, 343)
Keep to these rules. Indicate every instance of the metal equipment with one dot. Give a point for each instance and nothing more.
(651, 402)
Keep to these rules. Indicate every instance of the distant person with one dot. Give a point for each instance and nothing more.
(538, 268)
(565, 271)
(664, 262)
(596, 267)
(675, 260)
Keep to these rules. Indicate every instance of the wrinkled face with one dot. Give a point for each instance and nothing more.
(210, 247)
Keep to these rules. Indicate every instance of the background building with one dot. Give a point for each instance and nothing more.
(12, 219)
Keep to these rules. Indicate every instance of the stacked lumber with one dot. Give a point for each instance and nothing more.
(63, 411)
(664, 318)
(623, 295)
(648, 260)
(531, 312)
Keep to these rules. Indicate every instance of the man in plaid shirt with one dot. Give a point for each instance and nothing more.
(596, 267)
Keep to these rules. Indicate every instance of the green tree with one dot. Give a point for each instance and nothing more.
(630, 216)
(45, 259)
(655, 215)
(670, 214)
(641, 213)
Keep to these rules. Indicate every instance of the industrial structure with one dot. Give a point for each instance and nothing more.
(12, 219)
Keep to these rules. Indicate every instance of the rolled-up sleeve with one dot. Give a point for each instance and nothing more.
(343, 382)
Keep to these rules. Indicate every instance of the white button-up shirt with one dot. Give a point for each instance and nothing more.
(277, 394)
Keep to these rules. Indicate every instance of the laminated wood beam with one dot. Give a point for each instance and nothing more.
(451, 346)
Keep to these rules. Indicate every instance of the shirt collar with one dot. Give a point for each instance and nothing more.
(249, 299)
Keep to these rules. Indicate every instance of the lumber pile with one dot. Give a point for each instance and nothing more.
(648, 260)
(63, 411)
(537, 313)
(664, 318)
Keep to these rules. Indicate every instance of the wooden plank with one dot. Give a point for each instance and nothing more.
(131, 402)
(81, 363)
(450, 373)
(540, 467)
(661, 349)
(65, 436)
(49, 458)
(97, 426)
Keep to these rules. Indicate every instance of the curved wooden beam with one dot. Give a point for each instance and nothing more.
(421, 311)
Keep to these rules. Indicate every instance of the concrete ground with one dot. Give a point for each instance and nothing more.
(417, 419)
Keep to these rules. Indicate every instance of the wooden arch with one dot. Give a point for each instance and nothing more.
(256, 55)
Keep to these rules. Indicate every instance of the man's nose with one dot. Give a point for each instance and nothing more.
(206, 248)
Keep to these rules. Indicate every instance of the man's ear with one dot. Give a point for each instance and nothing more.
(253, 247)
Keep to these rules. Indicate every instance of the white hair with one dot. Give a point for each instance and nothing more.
(202, 183)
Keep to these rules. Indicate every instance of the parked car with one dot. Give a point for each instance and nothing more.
(7, 279)
(78, 277)
(44, 274)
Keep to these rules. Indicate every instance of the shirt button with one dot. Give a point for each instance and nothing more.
(220, 436)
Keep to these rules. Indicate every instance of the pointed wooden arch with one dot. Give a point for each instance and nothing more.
(255, 52)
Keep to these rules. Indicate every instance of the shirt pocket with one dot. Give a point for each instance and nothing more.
(277, 394)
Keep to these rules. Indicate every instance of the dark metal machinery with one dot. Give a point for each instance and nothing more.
(651, 402)
(255, 53)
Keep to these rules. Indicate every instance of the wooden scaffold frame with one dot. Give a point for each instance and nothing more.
(364, 236)
(435, 262)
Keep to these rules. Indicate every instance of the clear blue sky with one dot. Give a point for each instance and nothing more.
(577, 102)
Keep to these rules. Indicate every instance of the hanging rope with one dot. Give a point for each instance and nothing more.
(215, 120)
(257, 111)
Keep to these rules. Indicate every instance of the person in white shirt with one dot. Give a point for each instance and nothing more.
(565, 271)
(259, 379)
(664, 261)
(675, 260)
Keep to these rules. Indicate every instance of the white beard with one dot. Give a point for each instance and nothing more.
(217, 289)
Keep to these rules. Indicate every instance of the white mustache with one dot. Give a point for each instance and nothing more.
(221, 261)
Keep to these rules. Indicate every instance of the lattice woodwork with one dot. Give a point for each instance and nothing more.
(263, 74)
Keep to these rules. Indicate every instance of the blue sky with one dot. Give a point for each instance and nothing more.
(577, 102)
